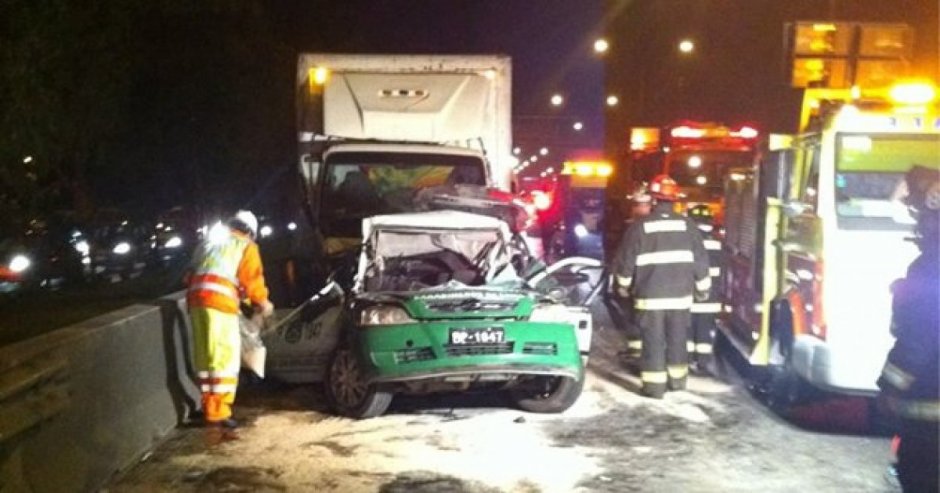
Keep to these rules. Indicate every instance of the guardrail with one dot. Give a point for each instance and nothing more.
(83, 402)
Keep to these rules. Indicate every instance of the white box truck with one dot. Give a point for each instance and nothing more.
(373, 129)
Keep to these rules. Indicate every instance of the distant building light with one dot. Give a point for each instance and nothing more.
(686, 46)
(601, 46)
(612, 100)
(543, 151)
(578, 126)
(27, 159)
(557, 100)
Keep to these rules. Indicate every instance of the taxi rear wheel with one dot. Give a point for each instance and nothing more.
(544, 394)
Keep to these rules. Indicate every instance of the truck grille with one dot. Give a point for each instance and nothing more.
(479, 349)
(413, 355)
(541, 348)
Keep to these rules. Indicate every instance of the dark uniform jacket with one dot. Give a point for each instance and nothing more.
(912, 370)
(662, 261)
(712, 303)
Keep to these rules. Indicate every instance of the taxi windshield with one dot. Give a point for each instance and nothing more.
(869, 180)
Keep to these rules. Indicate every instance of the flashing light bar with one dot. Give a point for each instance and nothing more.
(913, 93)
(601, 169)
(687, 132)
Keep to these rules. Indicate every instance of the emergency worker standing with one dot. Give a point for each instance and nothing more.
(661, 264)
(910, 380)
(226, 268)
(641, 203)
(705, 311)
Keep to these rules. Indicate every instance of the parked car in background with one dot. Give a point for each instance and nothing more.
(120, 246)
(174, 236)
(46, 253)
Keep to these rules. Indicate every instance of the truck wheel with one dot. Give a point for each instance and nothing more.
(547, 394)
(348, 393)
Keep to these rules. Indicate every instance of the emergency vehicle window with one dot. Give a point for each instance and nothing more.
(870, 173)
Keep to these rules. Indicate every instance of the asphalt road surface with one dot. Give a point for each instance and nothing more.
(715, 436)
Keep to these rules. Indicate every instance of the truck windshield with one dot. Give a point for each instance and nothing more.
(704, 171)
(869, 180)
(363, 184)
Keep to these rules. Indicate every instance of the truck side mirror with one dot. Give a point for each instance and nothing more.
(793, 208)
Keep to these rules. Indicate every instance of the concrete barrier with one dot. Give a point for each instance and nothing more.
(83, 402)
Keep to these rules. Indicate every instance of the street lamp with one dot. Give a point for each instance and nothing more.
(543, 151)
(578, 126)
(686, 46)
(601, 46)
(557, 100)
(612, 100)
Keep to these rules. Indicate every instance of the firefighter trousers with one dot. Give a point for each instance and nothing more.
(701, 337)
(918, 452)
(665, 361)
(217, 355)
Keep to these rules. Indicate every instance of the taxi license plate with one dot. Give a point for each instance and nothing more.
(461, 337)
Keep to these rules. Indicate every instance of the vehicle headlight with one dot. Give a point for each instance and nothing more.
(19, 263)
(122, 248)
(82, 247)
(174, 242)
(580, 231)
(550, 313)
(384, 315)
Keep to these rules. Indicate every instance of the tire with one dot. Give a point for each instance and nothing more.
(348, 394)
(550, 395)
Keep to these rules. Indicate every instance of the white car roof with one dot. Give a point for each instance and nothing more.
(433, 220)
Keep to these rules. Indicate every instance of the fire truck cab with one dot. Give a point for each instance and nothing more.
(816, 232)
(697, 155)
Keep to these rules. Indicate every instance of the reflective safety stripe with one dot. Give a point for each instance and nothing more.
(714, 271)
(897, 377)
(703, 348)
(654, 376)
(683, 303)
(624, 281)
(678, 371)
(706, 308)
(920, 410)
(215, 287)
(635, 344)
(667, 225)
(690, 346)
(704, 284)
(666, 257)
(217, 382)
(712, 245)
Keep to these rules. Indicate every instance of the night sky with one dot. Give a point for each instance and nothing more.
(193, 104)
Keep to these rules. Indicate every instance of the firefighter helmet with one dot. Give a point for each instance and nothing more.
(663, 187)
(245, 221)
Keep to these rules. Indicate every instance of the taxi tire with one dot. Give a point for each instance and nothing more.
(561, 397)
(373, 403)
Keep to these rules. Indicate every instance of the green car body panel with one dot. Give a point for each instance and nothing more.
(421, 349)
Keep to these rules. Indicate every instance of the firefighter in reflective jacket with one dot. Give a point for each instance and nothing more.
(910, 380)
(641, 204)
(661, 264)
(226, 268)
(705, 311)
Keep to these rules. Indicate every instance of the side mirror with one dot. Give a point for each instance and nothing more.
(795, 208)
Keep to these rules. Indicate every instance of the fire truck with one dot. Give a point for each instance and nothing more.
(697, 155)
(816, 232)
